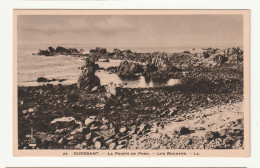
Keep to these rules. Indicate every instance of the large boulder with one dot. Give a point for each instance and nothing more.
(129, 69)
(87, 83)
(206, 54)
(88, 80)
(159, 62)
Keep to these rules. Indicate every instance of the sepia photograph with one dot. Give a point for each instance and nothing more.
(131, 83)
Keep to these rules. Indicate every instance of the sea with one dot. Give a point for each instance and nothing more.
(31, 66)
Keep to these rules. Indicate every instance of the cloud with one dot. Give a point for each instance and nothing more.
(174, 30)
(109, 25)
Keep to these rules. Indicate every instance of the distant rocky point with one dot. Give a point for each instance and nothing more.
(60, 51)
(43, 79)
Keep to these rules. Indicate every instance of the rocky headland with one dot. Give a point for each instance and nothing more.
(203, 111)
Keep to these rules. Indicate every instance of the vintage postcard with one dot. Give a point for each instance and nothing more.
(123, 83)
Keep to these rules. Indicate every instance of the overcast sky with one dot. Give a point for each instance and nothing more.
(174, 30)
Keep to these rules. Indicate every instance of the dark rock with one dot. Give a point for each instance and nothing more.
(98, 50)
(59, 51)
(211, 135)
(184, 130)
(206, 54)
(88, 80)
(224, 133)
(160, 62)
(42, 79)
(187, 142)
(220, 59)
(129, 69)
(72, 98)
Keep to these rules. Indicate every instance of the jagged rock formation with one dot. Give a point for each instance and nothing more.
(88, 81)
(59, 51)
(220, 59)
(159, 68)
(217, 57)
(206, 54)
(129, 69)
(43, 79)
(98, 50)
(159, 62)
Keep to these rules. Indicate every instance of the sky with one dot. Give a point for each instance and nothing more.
(138, 30)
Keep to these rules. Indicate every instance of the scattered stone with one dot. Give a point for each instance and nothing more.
(77, 131)
(172, 111)
(112, 145)
(187, 142)
(120, 147)
(31, 110)
(123, 129)
(132, 130)
(78, 146)
(93, 127)
(88, 136)
(94, 89)
(60, 141)
(97, 145)
(223, 133)
(99, 105)
(45, 136)
(104, 127)
(199, 129)
(184, 130)
(142, 127)
(70, 138)
(105, 121)
(90, 120)
(154, 129)
(238, 144)
(25, 111)
(63, 119)
(155, 136)
(211, 135)
(106, 134)
(84, 144)
(42, 79)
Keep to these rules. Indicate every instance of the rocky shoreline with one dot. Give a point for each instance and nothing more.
(90, 116)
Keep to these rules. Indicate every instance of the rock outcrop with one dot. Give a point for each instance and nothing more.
(88, 80)
(220, 59)
(129, 69)
(59, 51)
(159, 62)
(98, 50)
